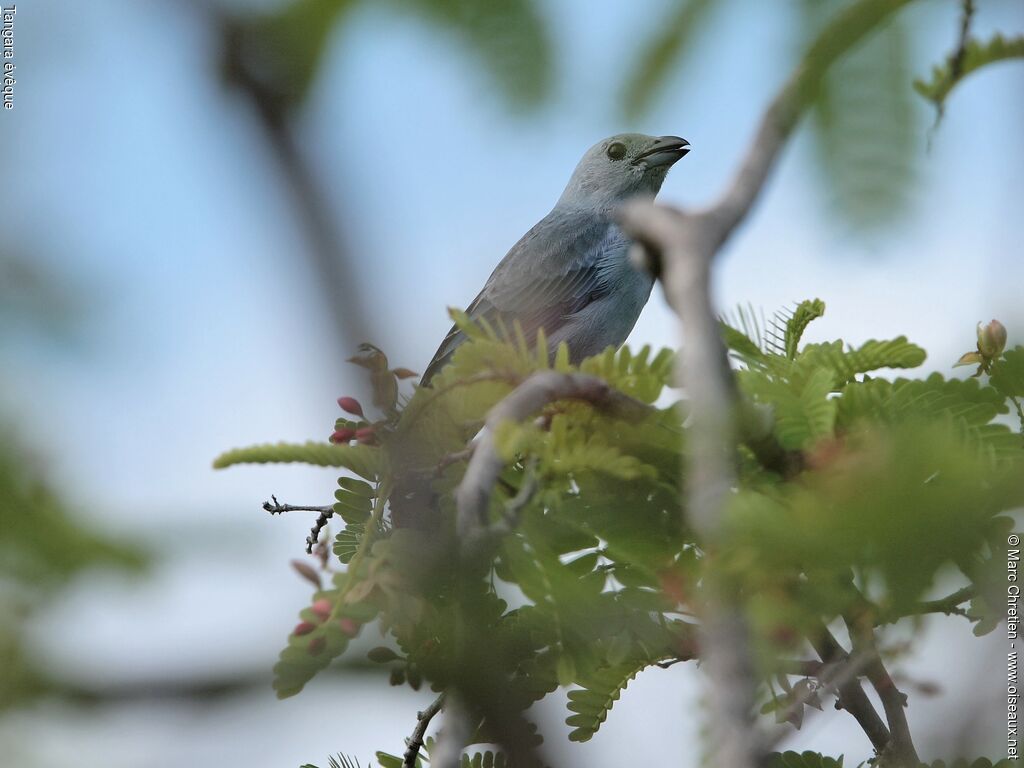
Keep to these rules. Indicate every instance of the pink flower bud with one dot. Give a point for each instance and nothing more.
(322, 608)
(350, 405)
(303, 628)
(343, 435)
(349, 626)
(366, 436)
(991, 339)
(316, 646)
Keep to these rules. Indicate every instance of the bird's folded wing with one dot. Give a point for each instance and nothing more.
(554, 271)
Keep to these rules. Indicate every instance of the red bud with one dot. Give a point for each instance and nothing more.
(350, 405)
(366, 436)
(316, 646)
(303, 628)
(322, 608)
(349, 626)
(343, 435)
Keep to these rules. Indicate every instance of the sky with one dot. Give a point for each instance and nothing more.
(144, 187)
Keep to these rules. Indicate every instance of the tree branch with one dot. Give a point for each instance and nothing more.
(415, 741)
(851, 696)
(900, 750)
(248, 64)
(681, 248)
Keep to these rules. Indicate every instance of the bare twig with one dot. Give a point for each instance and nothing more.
(326, 512)
(414, 742)
(275, 507)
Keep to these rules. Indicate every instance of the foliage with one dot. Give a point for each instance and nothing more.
(975, 55)
(857, 491)
(865, 129)
(43, 547)
(863, 123)
(284, 49)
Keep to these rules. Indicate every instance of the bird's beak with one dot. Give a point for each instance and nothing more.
(664, 151)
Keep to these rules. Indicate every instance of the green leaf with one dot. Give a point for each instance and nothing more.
(977, 54)
(384, 760)
(803, 315)
(1008, 373)
(671, 39)
(745, 347)
(348, 540)
(509, 38)
(803, 410)
(870, 356)
(865, 131)
(802, 760)
(485, 760)
(381, 655)
(288, 45)
(601, 689)
(363, 460)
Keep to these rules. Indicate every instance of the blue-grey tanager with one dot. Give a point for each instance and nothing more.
(570, 274)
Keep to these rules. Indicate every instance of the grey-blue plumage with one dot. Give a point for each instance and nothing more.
(570, 274)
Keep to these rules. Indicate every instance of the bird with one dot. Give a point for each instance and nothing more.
(570, 274)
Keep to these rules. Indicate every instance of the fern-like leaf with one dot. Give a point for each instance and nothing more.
(670, 41)
(864, 126)
(803, 315)
(592, 703)
(870, 356)
(363, 460)
(976, 55)
(486, 759)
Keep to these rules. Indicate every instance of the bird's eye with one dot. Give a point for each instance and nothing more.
(616, 150)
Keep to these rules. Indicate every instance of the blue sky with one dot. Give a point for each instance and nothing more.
(146, 189)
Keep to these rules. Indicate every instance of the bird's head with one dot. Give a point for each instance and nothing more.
(622, 166)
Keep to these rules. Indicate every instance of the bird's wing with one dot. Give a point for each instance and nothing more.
(554, 271)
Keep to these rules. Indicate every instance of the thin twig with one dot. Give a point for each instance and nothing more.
(956, 61)
(414, 742)
(851, 696)
(326, 512)
(901, 749)
(949, 605)
(274, 507)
